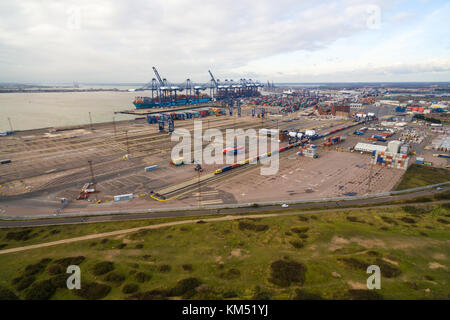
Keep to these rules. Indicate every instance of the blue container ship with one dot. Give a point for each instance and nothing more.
(148, 102)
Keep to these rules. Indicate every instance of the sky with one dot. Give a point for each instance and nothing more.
(108, 41)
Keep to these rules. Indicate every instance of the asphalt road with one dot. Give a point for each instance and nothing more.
(187, 213)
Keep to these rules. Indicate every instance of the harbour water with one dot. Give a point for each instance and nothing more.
(49, 109)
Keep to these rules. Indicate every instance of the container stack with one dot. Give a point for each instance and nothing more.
(391, 160)
(309, 151)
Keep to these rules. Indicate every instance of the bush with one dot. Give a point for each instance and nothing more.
(361, 294)
(139, 246)
(33, 269)
(60, 281)
(2, 245)
(303, 218)
(187, 267)
(389, 220)
(23, 282)
(408, 220)
(244, 225)
(130, 288)
(164, 268)
(115, 277)
(387, 270)
(102, 268)
(300, 230)
(156, 294)
(414, 210)
(297, 244)
(286, 272)
(355, 264)
(183, 286)
(19, 235)
(6, 294)
(42, 290)
(303, 295)
(55, 269)
(142, 277)
(229, 295)
(230, 274)
(65, 262)
(121, 246)
(442, 221)
(93, 291)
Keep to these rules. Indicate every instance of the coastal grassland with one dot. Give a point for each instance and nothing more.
(421, 175)
(305, 256)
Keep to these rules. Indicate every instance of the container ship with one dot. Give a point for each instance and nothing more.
(148, 102)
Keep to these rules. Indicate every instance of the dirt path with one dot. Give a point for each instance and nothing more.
(174, 223)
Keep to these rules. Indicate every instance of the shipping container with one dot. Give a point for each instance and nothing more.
(150, 168)
(122, 197)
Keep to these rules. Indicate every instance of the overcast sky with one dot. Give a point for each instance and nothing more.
(54, 41)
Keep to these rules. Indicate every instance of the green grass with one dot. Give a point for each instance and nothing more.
(226, 260)
(419, 176)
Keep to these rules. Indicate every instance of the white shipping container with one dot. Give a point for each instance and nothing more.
(122, 197)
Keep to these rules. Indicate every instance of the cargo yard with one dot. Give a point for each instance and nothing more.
(329, 146)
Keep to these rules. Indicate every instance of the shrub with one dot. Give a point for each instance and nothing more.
(139, 246)
(303, 218)
(42, 290)
(231, 274)
(19, 235)
(302, 236)
(201, 221)
(414, 210)
(304, 295)
(354, 219)
(261, 295)
(183, 286)
(115, 277)
(93, 291)
(65, 262)
(36, 268)
(187, 267)
(361, 294)
(389, 220)
(442, 221)
(130, 288)
(6, 294)
(55, 269)
(142, 277)
(164, 268)
(300, 230)
(2, 245)
(229, 295)
(387, 270)
(23, 282)
(121, 246)
(286, 272)
(244, 225)
(297, 244)
(156, 294)
(408, 220)
(102, 268)
(60, 281)
(355, 264)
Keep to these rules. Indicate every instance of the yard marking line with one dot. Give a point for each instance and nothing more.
(216, 201)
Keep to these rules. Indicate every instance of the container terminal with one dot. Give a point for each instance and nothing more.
(332, 142)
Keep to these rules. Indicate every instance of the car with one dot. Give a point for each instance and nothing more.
(439, 188)
(284, 205)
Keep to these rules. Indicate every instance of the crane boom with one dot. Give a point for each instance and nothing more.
(157, 76)
(212, 78)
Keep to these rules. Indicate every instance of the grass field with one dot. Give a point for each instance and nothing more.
(419, 175)
(292, 257)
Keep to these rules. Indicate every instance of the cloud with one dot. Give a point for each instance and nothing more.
(120, 41)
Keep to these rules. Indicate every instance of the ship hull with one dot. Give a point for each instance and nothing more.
(154, 104)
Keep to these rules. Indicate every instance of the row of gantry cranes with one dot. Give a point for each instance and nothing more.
(164, 90)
